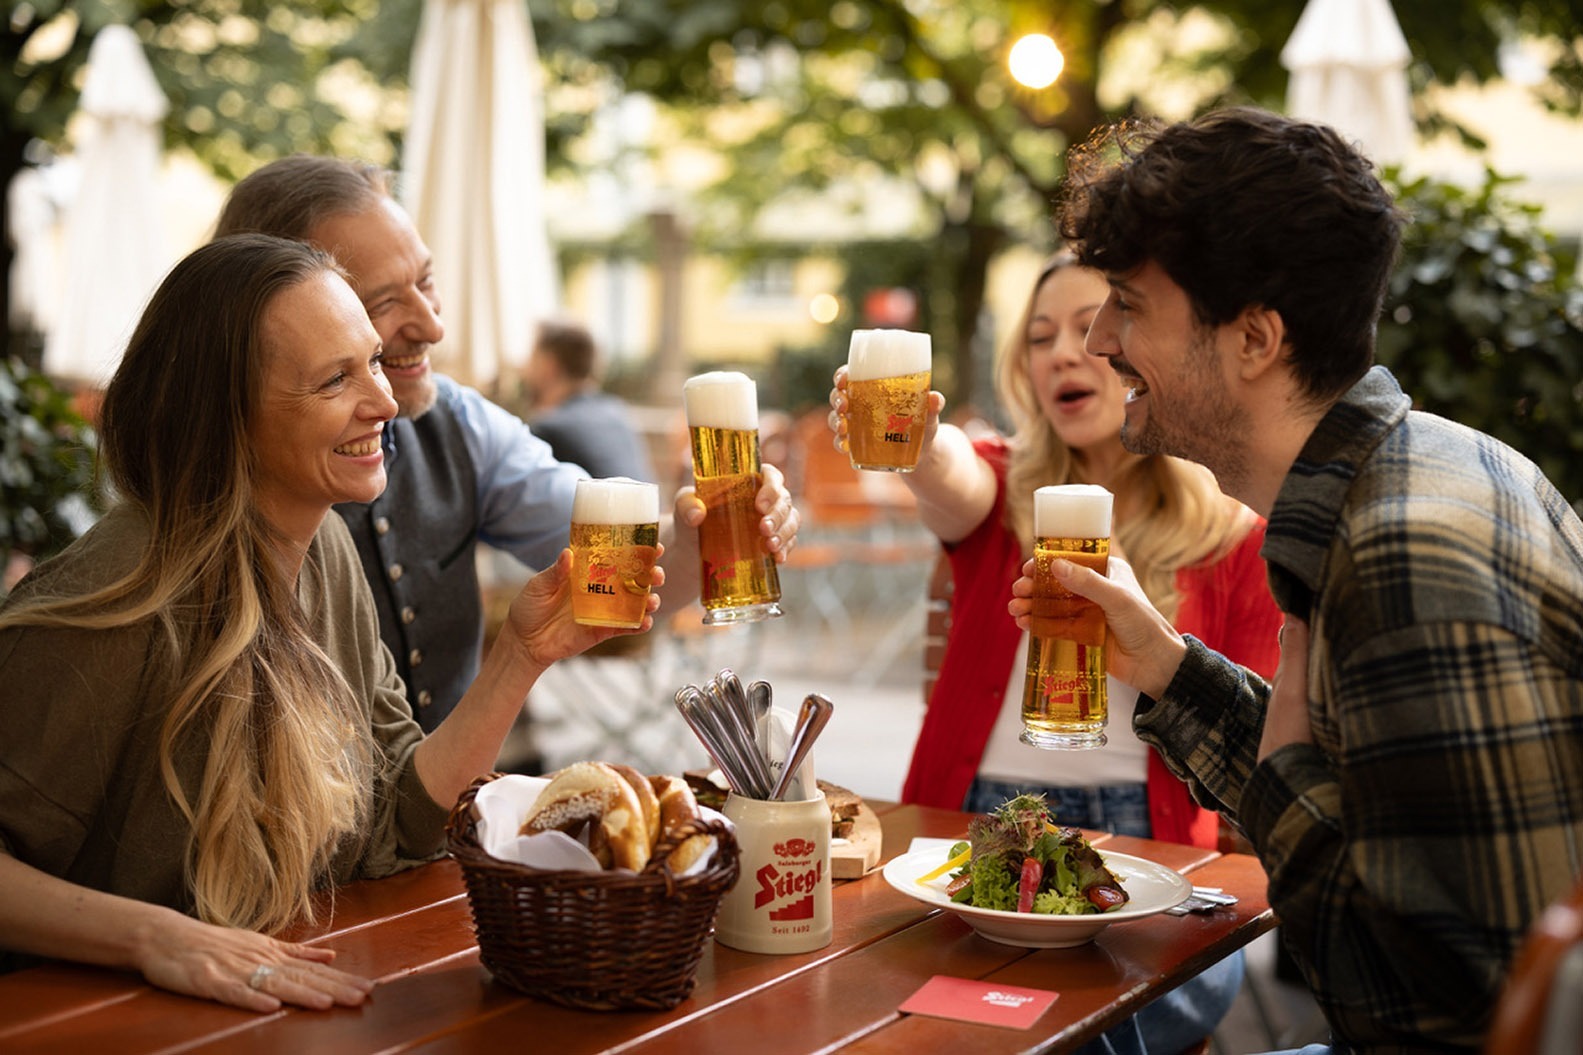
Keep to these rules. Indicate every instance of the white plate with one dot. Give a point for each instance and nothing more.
(1150, 887)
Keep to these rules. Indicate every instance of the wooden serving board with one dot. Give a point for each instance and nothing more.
(859, 854)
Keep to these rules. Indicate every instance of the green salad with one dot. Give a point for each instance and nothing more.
(1018, 860)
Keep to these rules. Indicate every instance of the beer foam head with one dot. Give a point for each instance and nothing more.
(1072, 511)
(721, 399)
(886, 353)
(617, 500)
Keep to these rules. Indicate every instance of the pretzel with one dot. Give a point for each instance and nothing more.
(593, 796)
(677, 805)
(646, 798)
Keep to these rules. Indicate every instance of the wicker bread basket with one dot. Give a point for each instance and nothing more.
(593, 940)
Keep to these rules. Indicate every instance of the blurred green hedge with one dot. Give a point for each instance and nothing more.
(1483, 323)
(47, 450)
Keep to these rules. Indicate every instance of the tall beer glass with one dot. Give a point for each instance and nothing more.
(887, 398)
(1064, 703)
(615, 542)
(740, 583)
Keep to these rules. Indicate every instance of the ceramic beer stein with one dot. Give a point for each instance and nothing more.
(781, 900)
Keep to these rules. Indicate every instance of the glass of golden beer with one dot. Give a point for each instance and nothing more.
(1063, 697)
(887, 398)
(615, 542)
(740, 583)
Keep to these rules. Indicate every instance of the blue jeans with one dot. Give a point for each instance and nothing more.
(1191, 1011)
(1122, 809)
(1180, 1018)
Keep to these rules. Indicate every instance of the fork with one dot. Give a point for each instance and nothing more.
(1203, 899)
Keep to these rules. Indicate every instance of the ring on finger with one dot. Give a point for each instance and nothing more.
(259, 976)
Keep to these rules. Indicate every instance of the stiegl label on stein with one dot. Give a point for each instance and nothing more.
(781, 900)
(787, 884)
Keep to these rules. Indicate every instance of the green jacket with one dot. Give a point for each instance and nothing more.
(81, 796)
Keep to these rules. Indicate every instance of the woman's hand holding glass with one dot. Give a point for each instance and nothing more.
(540, 618)
(840, 425)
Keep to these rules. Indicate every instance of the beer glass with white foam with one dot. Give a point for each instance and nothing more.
(740, 583)
(1064, 702)
(887, 397)
(615, 542)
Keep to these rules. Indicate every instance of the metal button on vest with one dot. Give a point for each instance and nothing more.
(415, 657)
(382, 525)
(408, 614)
(425, 697)
(396, 572)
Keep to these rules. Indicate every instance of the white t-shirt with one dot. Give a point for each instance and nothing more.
(1123, 760)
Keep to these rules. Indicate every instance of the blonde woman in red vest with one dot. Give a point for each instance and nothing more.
(1195, 551)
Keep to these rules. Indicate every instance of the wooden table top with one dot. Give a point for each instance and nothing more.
(413, 932)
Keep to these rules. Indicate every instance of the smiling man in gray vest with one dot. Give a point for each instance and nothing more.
(460, 469)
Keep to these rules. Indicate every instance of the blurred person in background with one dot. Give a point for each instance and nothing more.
(582, 424)
(1196, 551)
(461, 469)
(201, 730)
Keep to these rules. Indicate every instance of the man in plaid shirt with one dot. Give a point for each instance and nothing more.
(1414, 781)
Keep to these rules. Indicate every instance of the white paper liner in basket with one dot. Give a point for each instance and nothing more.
(500, 806)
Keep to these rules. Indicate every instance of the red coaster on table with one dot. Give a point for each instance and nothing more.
(973, 1001)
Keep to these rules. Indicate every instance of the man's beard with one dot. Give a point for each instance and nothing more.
(415, 398)
(1210, 429)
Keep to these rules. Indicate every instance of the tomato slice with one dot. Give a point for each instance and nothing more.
(1105, 898)
(1032, 872)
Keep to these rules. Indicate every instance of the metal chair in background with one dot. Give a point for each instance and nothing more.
(937, 625)
(861, 555)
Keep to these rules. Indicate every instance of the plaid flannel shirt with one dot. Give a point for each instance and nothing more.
(1440, 807)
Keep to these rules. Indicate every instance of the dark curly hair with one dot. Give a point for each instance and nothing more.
(1245, 207)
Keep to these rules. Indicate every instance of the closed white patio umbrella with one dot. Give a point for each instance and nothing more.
(115, 252)
(473, 180)
(1348, 62)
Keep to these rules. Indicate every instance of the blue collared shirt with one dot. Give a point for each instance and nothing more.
(524, 494)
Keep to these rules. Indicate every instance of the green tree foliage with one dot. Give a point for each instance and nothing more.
(247, 80)
(913, 97)
(46, 464)
(1484, 322)
(906, 96)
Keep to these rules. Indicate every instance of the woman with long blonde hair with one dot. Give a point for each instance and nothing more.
(201, 732)
(1196, 554)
